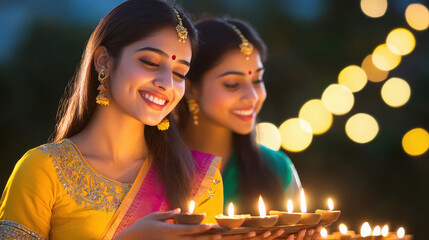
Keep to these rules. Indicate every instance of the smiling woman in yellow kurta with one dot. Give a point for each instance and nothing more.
(117, 165)
(53, 193)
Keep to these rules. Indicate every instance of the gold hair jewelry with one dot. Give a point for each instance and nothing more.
(194, 109)
(245, 46)
(163, 125)
(182, 32)
(101, 97)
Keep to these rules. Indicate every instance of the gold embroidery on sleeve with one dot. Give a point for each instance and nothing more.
(14, 230)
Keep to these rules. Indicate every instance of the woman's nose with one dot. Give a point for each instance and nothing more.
(249, 95)
(164, 81)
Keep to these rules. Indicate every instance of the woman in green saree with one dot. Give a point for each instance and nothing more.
(224, 94)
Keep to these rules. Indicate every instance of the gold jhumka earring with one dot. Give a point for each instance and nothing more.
(163, 125)
(194, 109)
(246, 47)
(182, 32)
(101, 97)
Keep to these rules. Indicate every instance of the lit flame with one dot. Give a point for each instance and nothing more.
(289, 206)
(401, 232)
(330, 204)
(385, 231)
(262, 211)
(343, 229)
(191, 206)
(231, 210)
(324, 233)
(303, 204)
(376, 231)
(365, 230)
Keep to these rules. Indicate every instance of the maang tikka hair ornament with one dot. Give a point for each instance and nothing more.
(182, 32)
(246, 47)
(101, 97)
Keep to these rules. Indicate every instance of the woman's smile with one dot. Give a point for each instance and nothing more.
(155, 100)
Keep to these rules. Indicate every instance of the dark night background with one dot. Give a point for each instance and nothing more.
(309, 41)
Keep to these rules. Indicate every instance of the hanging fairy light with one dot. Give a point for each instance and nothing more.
(395, 92)
(373, 8)
(354, 77)
(400, 41)
(316, 114)
(417, 16)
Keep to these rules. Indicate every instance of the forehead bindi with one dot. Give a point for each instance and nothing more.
(173, 57)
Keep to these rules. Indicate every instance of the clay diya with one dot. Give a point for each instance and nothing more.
(230, 221)
(365, 232)
(344, 233)
(329, 216)
(189, 217)
(308, 218)
(263, 220)
(325, 236)
(287, 218)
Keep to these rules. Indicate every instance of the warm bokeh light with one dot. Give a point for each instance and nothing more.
(330, 204)
(416, 142)
(303, 202)
(338, 99)
(417, 16)
(289, 206)
(191, 206)
(385, 59)
(373, 8)
(296, 134)
(316, 114)
(401, 232)
(268, 134)
(361, 128)
(262, 211)
(385, 231)
(354, 77)
(365, 230)
(376, 231)
(231, 210)
(324, 233)
(395, 92)
(343, 229)
(400, 41)
(373, 73)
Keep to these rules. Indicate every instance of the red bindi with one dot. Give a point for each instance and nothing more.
(250, 72)
(173, 57)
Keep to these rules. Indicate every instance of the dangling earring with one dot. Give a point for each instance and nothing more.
(101, 97)
(163, 125)
(194, 109)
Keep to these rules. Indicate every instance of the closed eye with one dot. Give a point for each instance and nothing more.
(259, 81)
(230, 85)
(149, 63)
(182, 77)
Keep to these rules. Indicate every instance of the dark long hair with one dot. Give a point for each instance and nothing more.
(216, 38)
(127, 23)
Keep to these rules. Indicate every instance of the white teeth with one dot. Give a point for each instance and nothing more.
(244, 112)
(154, 99)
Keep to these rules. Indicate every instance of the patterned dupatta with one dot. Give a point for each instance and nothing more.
(147, 194)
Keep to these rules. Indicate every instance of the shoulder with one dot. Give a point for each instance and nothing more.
(205, 160)
(279, 162)
(274, 158)
(34, 162)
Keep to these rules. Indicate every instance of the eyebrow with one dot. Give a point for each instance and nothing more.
(239, 73)
(162, 53)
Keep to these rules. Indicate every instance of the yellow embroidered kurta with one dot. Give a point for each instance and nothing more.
(53, 193)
